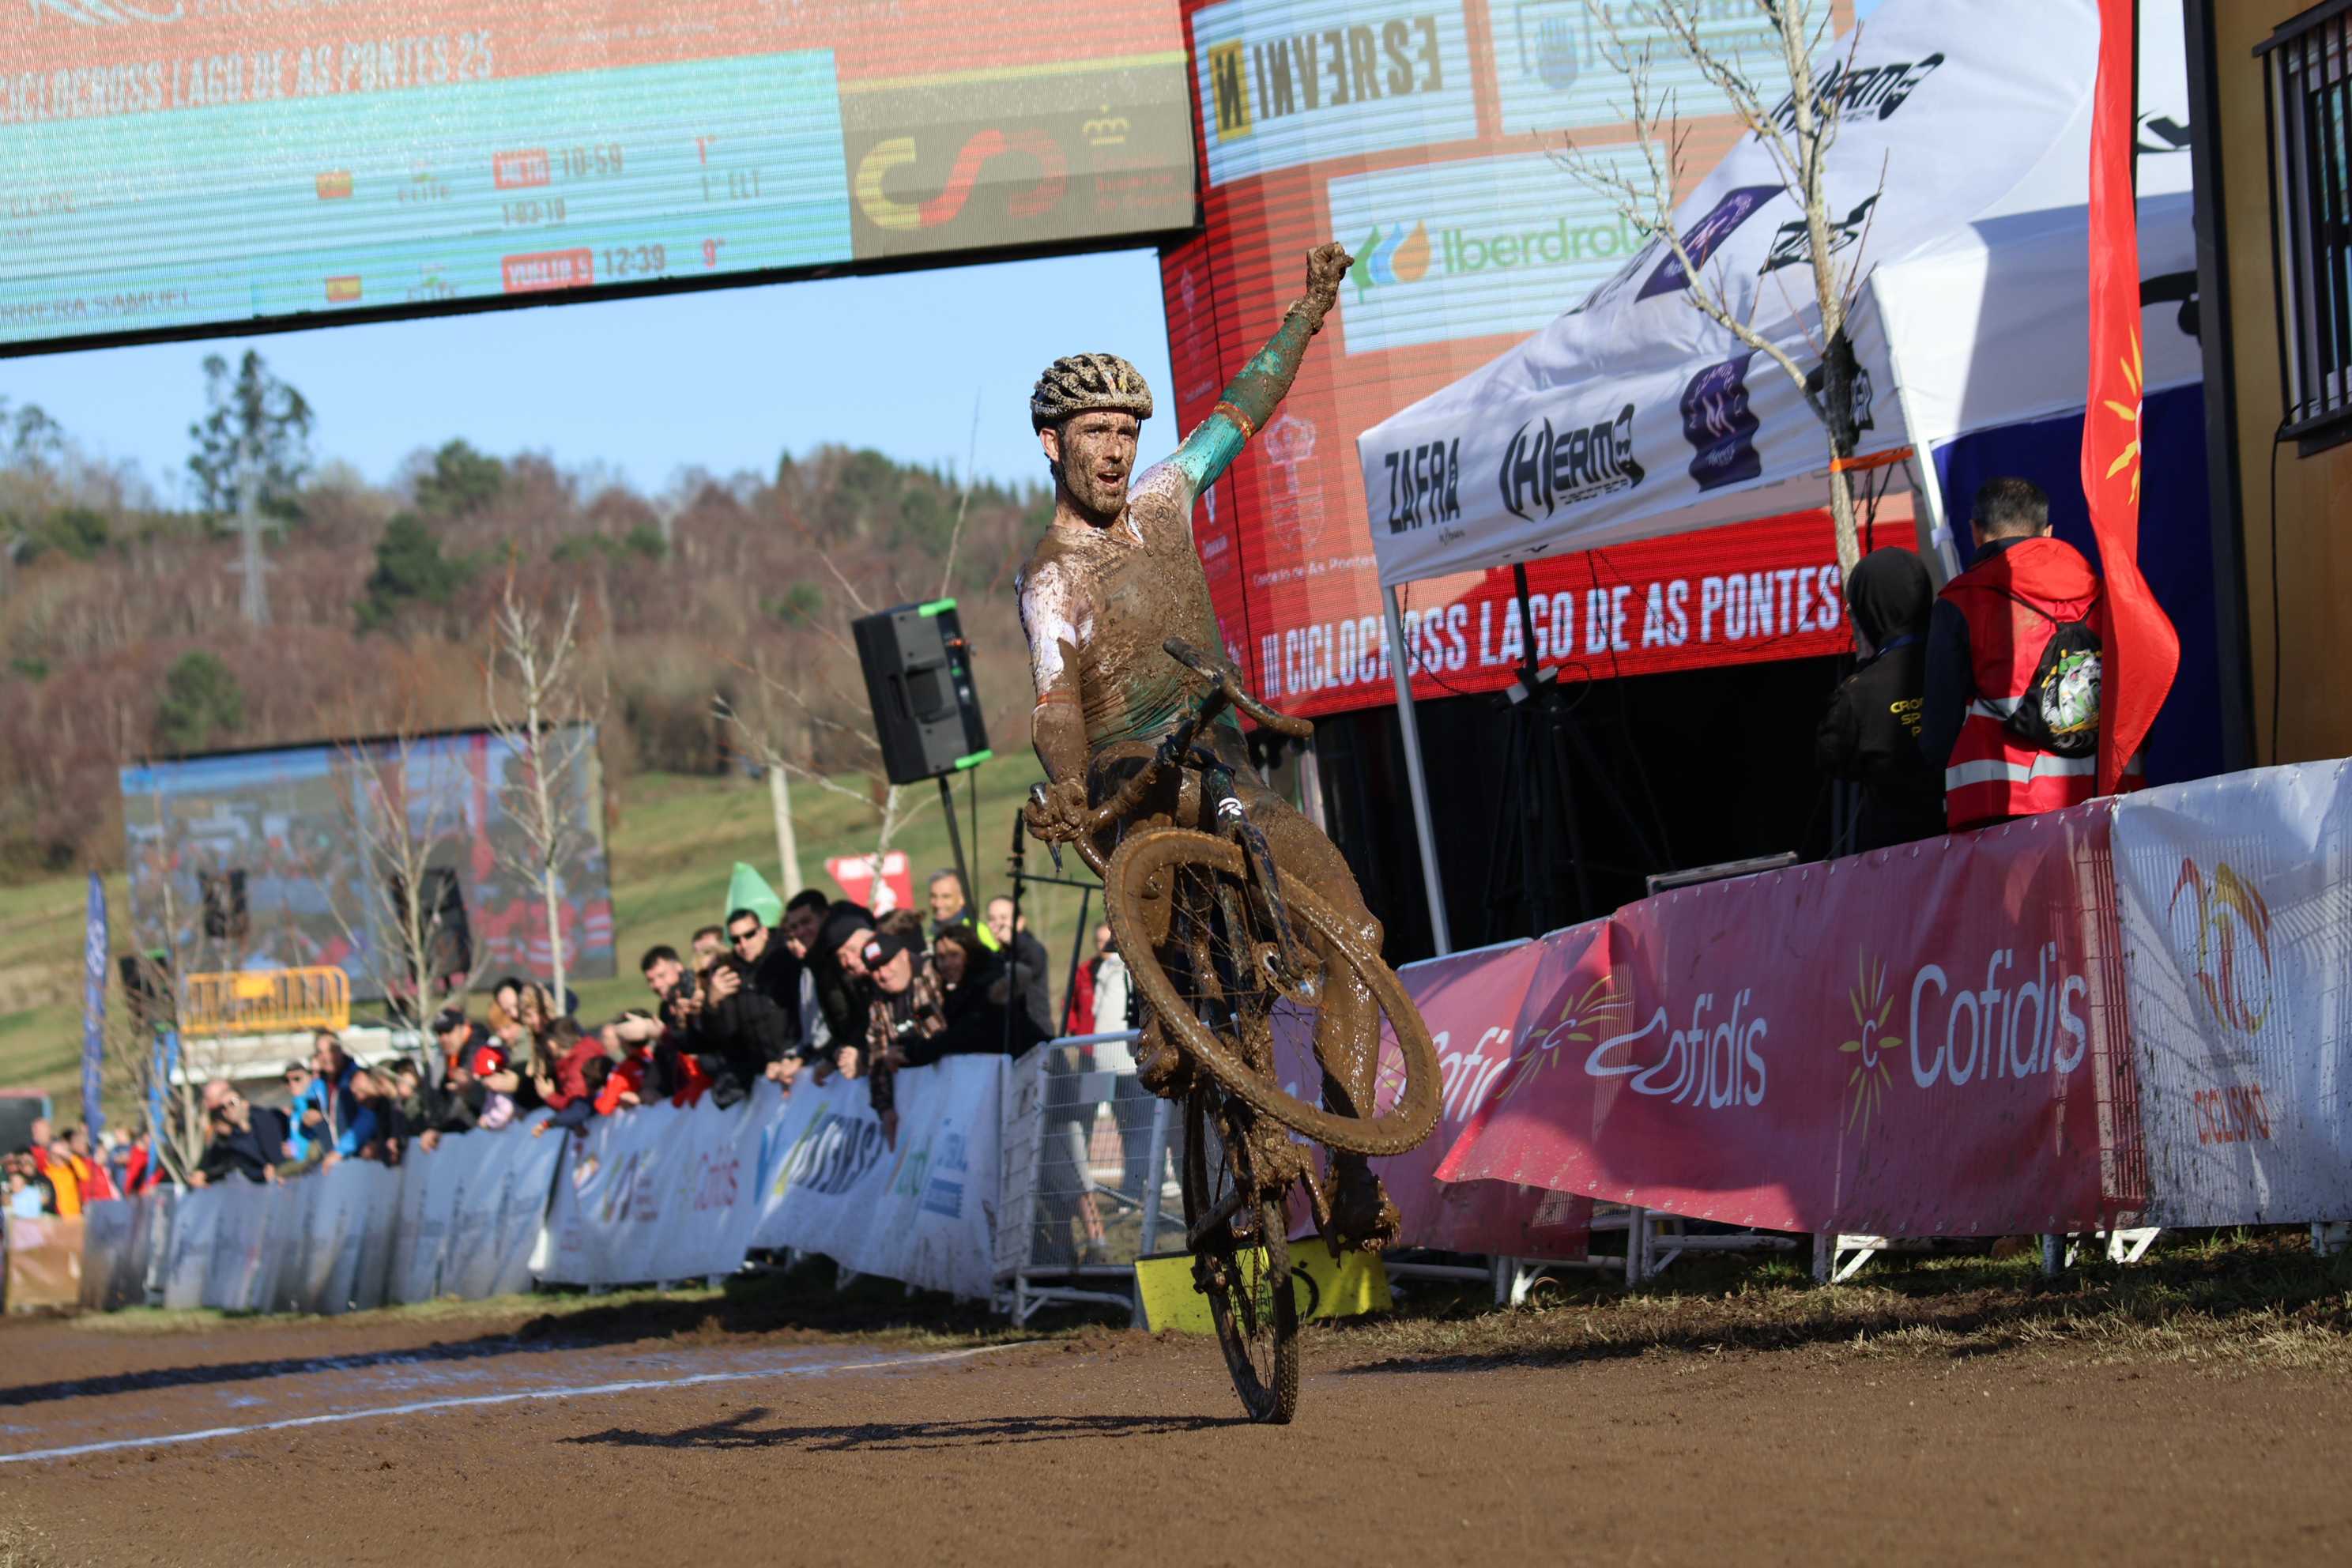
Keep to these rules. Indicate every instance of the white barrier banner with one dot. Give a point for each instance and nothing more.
(467, 1214)
(923, 1210)
(2236, 899)
(459, 1221)
(658, 1193)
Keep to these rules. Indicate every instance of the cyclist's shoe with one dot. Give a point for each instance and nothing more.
(1362, 1218)
(1162, 1067)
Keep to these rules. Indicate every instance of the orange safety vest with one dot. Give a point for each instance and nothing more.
(1994, 772)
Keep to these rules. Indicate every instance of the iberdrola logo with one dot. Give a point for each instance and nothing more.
(1579, 1025)
(1866, 1085)
(1398, 255)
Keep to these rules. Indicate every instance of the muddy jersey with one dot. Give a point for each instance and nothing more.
(1097, 603)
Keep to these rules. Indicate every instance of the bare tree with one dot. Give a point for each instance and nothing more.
(785, 708)
(1797, 131)
(401, 824)
(135, 1056)
(538, 710)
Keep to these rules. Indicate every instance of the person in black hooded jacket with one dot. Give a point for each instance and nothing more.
(843, 993)
(1871, 733)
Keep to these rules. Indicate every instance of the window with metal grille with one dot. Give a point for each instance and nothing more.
(2308, 90)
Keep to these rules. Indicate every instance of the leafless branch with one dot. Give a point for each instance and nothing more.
(963, 501)
(532, 690)
(1798, 145)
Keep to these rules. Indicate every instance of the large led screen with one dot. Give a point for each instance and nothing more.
(306, 833)
(1426, 136)
(178, 164)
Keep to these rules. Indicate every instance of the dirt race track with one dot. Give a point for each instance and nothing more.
(457, 1441)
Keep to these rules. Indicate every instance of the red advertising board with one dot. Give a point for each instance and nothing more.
(1422, 135)
(1928, 1040)
(1472, 1002)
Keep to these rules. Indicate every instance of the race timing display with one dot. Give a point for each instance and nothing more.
(179, 164)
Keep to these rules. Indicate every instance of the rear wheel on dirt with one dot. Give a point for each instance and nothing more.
(1242, 1260)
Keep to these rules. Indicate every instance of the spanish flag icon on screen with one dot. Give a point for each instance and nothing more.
(333, 183)
(343, 291)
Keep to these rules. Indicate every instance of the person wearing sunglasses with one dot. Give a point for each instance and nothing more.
(772, 966)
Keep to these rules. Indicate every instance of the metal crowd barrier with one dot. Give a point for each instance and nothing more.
(1090, 1179)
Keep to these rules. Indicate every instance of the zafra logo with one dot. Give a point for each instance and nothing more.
(1550, 469)
(1329, 67)
(1424, 485)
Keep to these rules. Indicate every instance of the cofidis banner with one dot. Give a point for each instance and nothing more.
(1928, 1040)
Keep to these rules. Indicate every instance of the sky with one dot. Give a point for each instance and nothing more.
(725, 380)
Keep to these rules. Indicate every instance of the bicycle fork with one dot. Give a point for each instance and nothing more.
(1233, 822)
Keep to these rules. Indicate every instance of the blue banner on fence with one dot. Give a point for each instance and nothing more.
(93, 1006)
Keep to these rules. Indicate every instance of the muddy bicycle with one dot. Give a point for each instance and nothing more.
(1226, 952)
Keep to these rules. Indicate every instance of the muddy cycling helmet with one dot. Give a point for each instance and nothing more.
(1087, 383)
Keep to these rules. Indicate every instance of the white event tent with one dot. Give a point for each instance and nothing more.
(1959, 177)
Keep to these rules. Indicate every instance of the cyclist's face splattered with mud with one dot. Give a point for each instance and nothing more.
(1093, 454)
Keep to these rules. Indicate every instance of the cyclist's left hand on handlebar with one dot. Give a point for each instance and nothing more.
(1057, 813)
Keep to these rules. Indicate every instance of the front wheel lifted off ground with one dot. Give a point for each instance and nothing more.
(1156, 872)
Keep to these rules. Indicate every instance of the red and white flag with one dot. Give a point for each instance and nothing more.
(2142, 650)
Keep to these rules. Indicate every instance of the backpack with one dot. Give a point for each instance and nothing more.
(2059, 713)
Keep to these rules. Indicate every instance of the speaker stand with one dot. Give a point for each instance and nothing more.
(955, 843)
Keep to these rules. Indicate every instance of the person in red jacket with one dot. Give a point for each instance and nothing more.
(569, 1051)
(1985, 640)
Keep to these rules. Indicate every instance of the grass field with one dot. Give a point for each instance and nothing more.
(674, 842)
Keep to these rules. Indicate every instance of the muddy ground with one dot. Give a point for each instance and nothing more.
(2198, 1412)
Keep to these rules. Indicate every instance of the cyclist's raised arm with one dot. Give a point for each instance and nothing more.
(1253, 397)
(1057, 619)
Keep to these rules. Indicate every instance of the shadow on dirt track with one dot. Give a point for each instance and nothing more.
(748, 1306)
(737, 1431)
(283, 1366)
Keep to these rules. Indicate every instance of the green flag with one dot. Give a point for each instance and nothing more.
(747, 890)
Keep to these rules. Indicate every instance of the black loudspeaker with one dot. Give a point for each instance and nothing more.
(448, 936)
(918, 680)
(147, 986)
(223, 899)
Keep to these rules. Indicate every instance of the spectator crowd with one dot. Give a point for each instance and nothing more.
(833, 989)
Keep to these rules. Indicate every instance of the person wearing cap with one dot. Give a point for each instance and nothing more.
(906, 1008)
(842, 991)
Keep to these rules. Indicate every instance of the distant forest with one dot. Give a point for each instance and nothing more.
(122, 636)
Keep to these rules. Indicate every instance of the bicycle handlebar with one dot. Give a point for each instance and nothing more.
(1226, 689)
(1228, 681)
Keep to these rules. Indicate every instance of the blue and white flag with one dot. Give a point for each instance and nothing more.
(93, 1005)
